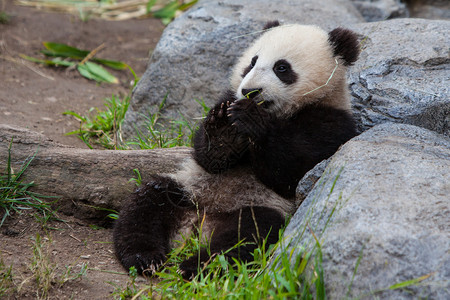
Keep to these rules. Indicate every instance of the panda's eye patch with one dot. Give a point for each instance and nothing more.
(282, 68)
(253, 62)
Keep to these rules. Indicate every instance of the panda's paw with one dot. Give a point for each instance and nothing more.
(146, 264)
(217, 117)
(162, 190)
(248, 117)
(189, 268)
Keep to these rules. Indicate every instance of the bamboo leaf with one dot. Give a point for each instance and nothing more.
(54, 54)
(56, 49)
(59, 62)
(101, 72)
(62, 50)
(53, 62)
(84, 71)
(96, 72)
(117, 65)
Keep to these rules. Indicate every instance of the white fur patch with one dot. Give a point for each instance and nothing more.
(229, 191)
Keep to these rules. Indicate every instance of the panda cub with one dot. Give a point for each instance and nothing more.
(287, 109)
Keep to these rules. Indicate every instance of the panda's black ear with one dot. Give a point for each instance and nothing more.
(345, 44)
(271, 24)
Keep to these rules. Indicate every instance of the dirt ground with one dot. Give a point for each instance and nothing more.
(34, 97)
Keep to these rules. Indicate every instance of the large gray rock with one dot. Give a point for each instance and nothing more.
(196, 52)
(380, 10)
(403, 74)
(381, 212)
(308, 181)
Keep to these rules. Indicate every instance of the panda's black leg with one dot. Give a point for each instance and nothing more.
(146, 221)
(250, 224)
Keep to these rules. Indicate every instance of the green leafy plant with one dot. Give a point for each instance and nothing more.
(83, 60)
(102, 127)
(15, 196)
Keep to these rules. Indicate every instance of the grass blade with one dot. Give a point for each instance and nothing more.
(410, 282)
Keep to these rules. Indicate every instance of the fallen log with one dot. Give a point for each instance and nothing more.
(83, 179)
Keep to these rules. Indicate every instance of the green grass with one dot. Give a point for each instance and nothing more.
(163, 132)
(104, 127)
(15, 196)
(269, 276)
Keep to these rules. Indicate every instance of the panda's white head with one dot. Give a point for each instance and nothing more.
(293, 65)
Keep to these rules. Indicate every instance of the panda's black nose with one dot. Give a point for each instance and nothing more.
(251, 93)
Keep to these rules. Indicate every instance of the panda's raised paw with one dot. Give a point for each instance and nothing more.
(217, 117)
(247, 116)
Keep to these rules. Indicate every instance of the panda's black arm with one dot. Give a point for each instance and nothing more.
(218, 145)
(292, 147)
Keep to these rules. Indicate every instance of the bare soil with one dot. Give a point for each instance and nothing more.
(34, 97)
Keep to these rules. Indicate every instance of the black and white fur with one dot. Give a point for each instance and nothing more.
(287, 109)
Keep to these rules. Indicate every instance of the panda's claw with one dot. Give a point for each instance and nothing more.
(231, 108)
